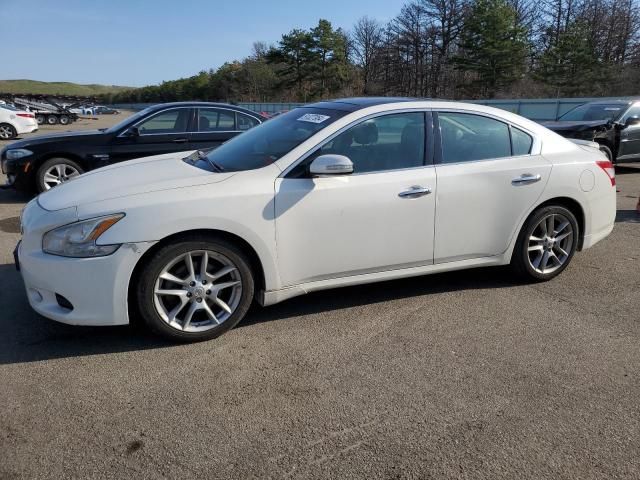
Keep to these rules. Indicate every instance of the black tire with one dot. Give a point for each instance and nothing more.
(607, 151)
(40, 119)
(52, 119)
(64, 120)
(7, 131)
(41, 183)
(145, 296)
(520, 259)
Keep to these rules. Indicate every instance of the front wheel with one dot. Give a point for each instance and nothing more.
(195, 289)
(55, 171)
(546, 244)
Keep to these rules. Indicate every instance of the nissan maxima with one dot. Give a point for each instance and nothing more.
(332, 194)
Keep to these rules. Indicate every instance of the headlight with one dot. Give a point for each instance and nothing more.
(16, 153)
(79, 239)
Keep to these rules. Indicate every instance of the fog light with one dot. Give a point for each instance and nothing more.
(35, 295)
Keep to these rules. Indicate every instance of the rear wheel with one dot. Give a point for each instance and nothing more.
(52, 119)
(55, 171)
(40, 119)
(546, 244)
(195, 289)
(7, 132)
(64, 120)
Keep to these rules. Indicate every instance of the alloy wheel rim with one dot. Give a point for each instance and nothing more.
(5, 132)
(57, 174)
(197, 291)
(550, 243)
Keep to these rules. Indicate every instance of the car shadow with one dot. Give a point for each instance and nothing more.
(627, 216)
(626, 169)
(27, 337)
(9, 195)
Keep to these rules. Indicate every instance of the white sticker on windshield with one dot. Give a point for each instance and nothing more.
(313, 118)
(612, 109)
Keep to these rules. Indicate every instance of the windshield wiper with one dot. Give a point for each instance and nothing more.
(216, 167)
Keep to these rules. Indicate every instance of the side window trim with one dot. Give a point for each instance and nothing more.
(438, 156)
(196, 128)
(429, 144)
(155, 114)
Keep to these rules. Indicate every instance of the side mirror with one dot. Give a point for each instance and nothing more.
(133, 132)
(631, 121)
(331, 164)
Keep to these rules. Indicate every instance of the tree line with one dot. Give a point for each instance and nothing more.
(436, 48)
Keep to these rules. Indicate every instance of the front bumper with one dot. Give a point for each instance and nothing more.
(95, 288)
(17, 171)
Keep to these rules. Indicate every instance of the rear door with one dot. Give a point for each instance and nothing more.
(489, 176)
(166, 131)
(216, 125)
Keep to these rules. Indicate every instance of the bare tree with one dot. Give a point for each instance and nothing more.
(366, 42)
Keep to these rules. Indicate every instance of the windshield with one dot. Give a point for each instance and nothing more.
(128, 120)
(591, 112)
(266, 143)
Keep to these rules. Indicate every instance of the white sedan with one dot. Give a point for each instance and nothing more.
(336, 193)
(14, 122)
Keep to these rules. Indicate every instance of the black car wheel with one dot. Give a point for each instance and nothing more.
(55, 171)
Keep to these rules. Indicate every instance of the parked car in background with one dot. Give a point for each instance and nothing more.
(613, 124)
(102, 110)
(43, 162)
(14, 122)
(332, 194)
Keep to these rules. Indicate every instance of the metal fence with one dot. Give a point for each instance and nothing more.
(534, 109)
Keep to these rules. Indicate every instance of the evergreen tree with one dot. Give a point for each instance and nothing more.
(493, 46)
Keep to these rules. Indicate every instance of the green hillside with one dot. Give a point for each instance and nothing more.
(34, 87)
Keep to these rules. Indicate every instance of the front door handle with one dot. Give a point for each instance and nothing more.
(415, 192)
(180, 140)
(526, 179)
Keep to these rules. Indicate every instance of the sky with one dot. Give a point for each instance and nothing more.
(136, 42)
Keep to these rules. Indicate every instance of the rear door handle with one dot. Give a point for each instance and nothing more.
(180, 140)
(415, 192)
(526, 179)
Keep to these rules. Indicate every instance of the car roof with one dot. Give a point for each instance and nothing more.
(358, 103)
(229, 106)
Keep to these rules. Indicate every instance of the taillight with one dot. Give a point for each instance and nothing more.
(607, 166)
(26, 115)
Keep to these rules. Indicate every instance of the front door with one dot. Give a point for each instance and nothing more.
(487, 180)
(164, 132)
(379, 218)
(630, 137)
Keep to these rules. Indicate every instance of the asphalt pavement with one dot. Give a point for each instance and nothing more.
(465, 375)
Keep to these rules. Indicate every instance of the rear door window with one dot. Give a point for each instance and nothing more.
(467, 137)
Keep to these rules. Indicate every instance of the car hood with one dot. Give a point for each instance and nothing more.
(574, 126)
(56, 137)
(135, 177)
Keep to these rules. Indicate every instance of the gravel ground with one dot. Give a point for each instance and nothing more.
(464, 375)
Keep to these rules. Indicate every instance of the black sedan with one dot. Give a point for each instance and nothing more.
(42, 162)
(613, 124)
